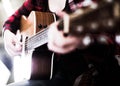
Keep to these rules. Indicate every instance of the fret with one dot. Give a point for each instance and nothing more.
(37, 40)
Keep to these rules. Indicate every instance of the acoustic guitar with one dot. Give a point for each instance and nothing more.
(36, 60)
(103, 17)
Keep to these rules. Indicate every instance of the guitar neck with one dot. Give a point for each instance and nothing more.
(37, 40)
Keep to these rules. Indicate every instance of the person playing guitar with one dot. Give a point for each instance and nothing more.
(92, 52)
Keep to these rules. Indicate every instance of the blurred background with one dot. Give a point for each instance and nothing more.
(7, 7)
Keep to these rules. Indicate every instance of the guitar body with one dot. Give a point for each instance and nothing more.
(36, 63)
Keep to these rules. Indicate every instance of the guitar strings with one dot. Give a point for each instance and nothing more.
(38, 39)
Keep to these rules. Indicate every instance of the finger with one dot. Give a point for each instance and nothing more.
(18, 35)
(11, 52)
(13, 48)
(60, 50)
(61, 14)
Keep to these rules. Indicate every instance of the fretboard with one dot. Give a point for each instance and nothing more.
(37, 40)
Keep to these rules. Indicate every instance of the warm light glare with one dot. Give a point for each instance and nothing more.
(22, 68)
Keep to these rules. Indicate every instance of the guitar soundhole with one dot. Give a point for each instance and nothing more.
(45, 26)
(40, 26)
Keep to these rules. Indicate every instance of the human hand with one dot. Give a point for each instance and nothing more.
(12, 43)
(58, 43)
